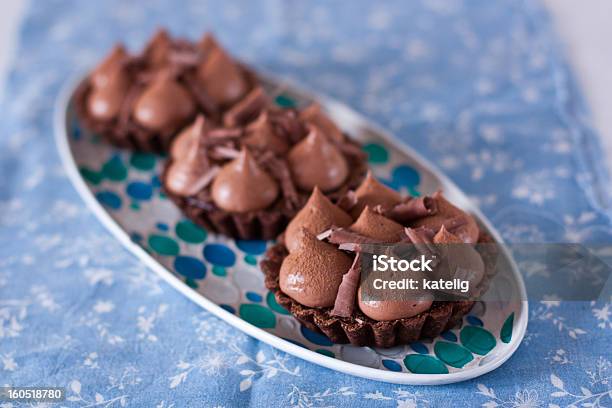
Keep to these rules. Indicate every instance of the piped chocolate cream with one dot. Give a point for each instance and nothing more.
(372, 192)
(110, 84)
(455, 220)
(101, 76)
(186, 142)
(312, 274)
(242, 185)
(316, 216)
(260, 135)
(315, 161)
(220, 76)
(460, 260)
(164, 105)
(158, 49)
(382, 310)
(374, 225)
(313, 114)
(187, 175)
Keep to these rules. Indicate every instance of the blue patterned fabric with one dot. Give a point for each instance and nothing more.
(478, 87)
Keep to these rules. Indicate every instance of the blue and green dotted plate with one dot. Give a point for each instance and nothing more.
(222, 275)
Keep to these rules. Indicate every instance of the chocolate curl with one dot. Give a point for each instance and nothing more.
(351, 247)
(201, 127)
(347, 201)
(203, 149)
(347, 240)
(185, 58)
(422, 240)
(420, 235)
(224, 153)
(206, 178)
(413, 209)
(455, 222)
(347, 291)
(222, 135)
(378, 209)
(246, 109)
(288, 122)
(280, 170)
(325, 234)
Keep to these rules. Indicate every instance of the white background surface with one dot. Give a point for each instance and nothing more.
(584, 28)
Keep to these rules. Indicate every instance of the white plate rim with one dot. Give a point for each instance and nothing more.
(61, 135)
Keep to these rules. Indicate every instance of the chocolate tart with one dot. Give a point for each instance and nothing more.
(351, 325)
(141, 101)
(360, 330)
(249, 181)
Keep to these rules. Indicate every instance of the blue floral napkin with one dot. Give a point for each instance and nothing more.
(479, 87)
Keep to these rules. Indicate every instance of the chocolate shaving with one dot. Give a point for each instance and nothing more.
(351, 247)
(225, 133)
(224, 153)
(207, 177)
(288, 122)
(422, 240)
(347, 291)
(347, 201)
(203, 150)
(341, 236)
(412, 209)
(420, 235)
(186, 57)
(203, 156)
(325, 234)
(222, 135)
(246, 109)
(280, 170)
(455, 222)
(378, 209)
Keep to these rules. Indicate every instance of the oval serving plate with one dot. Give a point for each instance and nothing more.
(221, 275)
